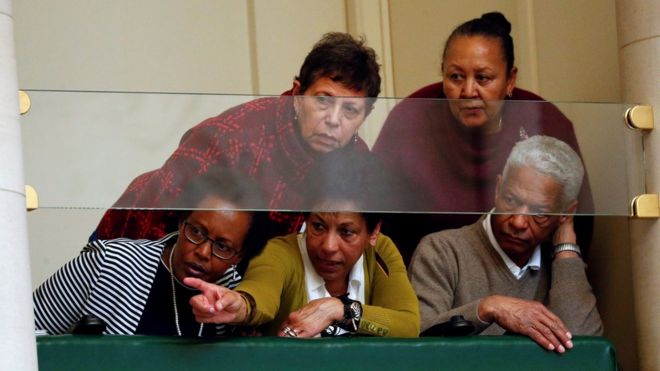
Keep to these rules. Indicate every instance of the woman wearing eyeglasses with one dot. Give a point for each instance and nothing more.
(135, 286)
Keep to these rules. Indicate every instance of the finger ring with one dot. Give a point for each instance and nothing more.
(288, 331)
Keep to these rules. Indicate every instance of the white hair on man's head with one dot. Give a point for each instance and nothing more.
(551, 157)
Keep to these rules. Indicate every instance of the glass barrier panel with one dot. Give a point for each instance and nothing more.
(120, 150)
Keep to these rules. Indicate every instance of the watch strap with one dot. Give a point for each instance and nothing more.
(352, 314)
(566, 247)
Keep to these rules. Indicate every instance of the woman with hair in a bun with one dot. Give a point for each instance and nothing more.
(451, 145)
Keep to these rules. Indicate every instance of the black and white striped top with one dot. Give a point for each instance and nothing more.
(110, 279)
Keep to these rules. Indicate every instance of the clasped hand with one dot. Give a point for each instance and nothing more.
(313, 318)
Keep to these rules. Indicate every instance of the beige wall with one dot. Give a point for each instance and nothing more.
(577, 50)
(147, 45)
(220, 46)
(283, 37)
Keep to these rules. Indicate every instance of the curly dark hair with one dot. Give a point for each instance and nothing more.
(344, 59)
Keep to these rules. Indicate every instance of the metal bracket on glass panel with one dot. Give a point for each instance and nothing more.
(640, 117)
(23, 102)
(646, 206)
(31, 198)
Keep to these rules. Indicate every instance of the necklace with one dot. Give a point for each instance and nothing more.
(176, 311)
(488, 128)
(498, 128)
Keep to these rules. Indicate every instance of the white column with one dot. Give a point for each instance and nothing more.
(17, 341)
(638, 24)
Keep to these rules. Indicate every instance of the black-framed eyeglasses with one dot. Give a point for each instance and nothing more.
(197, 236)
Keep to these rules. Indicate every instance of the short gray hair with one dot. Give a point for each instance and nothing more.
(551, 157)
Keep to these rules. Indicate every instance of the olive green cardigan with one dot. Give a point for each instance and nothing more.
(276, 281)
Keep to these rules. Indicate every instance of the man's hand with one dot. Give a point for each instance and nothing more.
(216, 304)
(313, 318)
(565, 233)
(529, 318)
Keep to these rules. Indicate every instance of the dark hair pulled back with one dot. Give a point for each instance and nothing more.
(494, 25)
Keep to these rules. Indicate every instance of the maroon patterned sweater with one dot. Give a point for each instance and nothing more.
(258, 138)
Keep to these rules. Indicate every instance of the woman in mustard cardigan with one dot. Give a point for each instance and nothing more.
(338, 278)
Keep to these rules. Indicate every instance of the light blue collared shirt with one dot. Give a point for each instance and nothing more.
(534, 262)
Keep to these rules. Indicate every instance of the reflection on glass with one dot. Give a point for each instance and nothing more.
(83, 149)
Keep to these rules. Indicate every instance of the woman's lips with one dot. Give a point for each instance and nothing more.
(195, 270)
(326, 140)
(327, 265)
(472, 110)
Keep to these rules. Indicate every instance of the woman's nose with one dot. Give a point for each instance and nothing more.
(469, 89)
(333, 116)
(203, 250)
(330, 243)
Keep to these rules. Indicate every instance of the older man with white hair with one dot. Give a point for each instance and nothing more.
(495, 272)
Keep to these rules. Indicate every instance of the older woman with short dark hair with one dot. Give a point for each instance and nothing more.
(273, 140)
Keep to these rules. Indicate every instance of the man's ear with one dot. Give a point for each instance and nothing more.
(568, 211)
(373, 238)
(498, 185)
